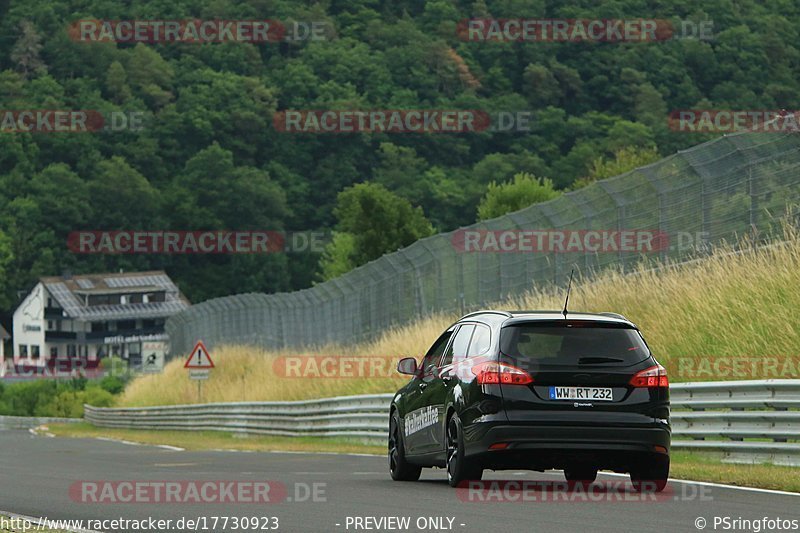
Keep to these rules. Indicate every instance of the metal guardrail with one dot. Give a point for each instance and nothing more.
(747, 421)
(347, 416)
(27, 422)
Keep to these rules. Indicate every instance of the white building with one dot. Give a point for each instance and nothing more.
(3, 337)
(91, 316)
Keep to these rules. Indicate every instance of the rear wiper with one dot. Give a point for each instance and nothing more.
(590, 360)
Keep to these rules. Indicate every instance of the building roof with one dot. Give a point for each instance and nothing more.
(69, 290)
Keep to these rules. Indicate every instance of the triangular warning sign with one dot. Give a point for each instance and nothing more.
(199, 358)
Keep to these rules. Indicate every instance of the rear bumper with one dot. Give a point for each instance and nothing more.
(545, 447)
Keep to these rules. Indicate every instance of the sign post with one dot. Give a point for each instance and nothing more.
(153, 357)
(199, 365)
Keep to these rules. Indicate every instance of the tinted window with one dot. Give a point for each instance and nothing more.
(573, 343)
(434, 355)
(481, 340)
(458, 350)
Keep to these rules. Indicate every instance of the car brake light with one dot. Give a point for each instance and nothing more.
(655, 376)
(493, 373)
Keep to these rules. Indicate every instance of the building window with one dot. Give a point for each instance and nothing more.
(71, 350)
(99, 326)
(53, 352)
(126, 325)
(102, 299)
(23, 350)
(34, 351)
(136, 298)
(50, 325)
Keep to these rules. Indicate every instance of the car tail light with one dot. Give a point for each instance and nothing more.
(494, 373)
(655, 376)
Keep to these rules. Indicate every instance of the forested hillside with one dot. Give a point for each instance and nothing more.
(209, 157)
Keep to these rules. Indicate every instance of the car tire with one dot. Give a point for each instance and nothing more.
(652, 476)
(399, 467)
(580, 476)
(459, 468)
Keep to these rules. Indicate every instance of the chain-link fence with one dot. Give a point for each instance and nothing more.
(721, 190)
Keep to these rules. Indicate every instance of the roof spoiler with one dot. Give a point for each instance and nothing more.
(613, 315)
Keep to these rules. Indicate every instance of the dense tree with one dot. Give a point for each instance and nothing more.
(624, 160)
(209, 156)
(371, 221)
(27, 51)
(6, 257)
(523, 191)
(338, 257)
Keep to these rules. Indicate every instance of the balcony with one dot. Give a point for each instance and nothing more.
(53, 313)
(59, 336)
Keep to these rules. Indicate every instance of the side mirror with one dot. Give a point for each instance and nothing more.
(407, 365)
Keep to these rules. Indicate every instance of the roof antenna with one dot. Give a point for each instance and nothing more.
(569, 288)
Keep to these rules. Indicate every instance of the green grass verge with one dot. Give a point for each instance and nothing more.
(685, 465)
(699, 466)
(218, 440)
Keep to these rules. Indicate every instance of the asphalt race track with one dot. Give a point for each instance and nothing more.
(36, 473)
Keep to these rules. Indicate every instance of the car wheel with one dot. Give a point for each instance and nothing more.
(580, 476)
(458, 467)
(651, 477)
(399, 467)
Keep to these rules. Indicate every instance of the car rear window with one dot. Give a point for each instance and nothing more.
(569, 342)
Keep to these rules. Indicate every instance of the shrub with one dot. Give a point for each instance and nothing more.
(25, 398)
(97, 397)
(112, 384)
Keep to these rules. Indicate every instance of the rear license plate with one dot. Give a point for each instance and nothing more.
(581, 393)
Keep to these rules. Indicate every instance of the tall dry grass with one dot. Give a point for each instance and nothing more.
(726, 305)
